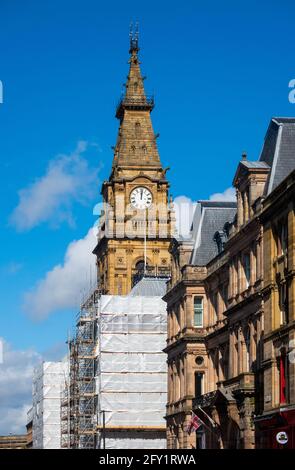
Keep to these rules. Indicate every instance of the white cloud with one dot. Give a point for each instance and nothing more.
(49, 199)
(16, 372)
(62, 286)
(184, 209)
(228, 194)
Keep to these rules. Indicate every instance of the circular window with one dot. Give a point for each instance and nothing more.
(199, 360)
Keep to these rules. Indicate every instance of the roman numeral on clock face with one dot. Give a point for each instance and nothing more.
(141, 198)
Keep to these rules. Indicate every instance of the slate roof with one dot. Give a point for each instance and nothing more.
(209, 217)
(279, 150)
(149, 287)
(257, 164)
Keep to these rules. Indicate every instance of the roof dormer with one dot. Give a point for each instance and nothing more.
(250, 180)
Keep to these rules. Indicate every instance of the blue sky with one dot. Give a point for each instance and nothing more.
(219, 71)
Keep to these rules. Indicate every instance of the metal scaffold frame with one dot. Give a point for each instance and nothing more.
(79, 397)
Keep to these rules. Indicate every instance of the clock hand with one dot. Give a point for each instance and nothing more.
(141, 191)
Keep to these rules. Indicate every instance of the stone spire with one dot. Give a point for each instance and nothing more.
(136, 142)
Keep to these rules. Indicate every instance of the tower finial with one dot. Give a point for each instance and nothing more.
(133, 36)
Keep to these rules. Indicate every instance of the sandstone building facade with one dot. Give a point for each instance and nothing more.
(230, 304)
(277, 219)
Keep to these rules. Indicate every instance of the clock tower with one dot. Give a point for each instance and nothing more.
(137, 219)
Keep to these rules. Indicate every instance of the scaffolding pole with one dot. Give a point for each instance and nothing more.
(79, 397)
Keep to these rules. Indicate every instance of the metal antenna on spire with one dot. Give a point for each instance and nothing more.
(133, 36)
(130, 30)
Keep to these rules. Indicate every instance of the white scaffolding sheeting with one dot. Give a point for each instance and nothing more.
(136, 443)
(132, 378)
(48, 380)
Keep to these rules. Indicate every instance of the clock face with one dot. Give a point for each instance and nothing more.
(141, 198)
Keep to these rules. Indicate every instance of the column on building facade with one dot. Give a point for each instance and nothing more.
(258, 258)
(177, 318)
(209, 309)
(240, 350)
(231, 353)
(170, 383)
(275, 308)
(209, 372)
(219, 373)
(189, 375)
(230, 280)
(253, 274)
(181, 315)
(236, 351)
(183, 376)
(189, 310)
(177, 380)
(173, 321)
(219, 306)
(252, 351)
(172, 398)
(261, 256)
(171, 328)
(246, 206)
(246, 348)
(247, 426)
(216, 359)
(259, 346)
(182, 379)
(251, 196)
(235, 276)
(239, 208)
(239, 275)
(173, 270)
(220, 353)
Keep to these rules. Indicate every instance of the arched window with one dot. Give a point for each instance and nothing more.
(139, 266)
(137, 129)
